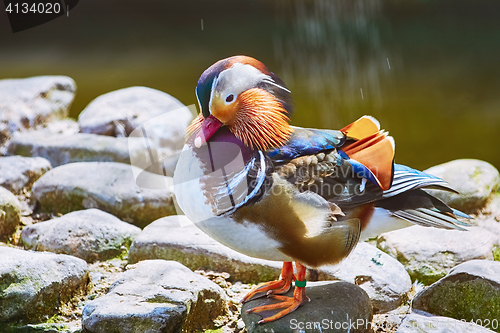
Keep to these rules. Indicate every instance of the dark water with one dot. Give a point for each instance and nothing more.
(428, 70)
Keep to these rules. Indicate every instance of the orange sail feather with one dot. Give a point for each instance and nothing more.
(373, 148)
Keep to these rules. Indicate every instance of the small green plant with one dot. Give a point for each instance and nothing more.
(219, 330)
(496, 254)
(55, 319)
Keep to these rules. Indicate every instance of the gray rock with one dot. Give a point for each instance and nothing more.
(143, 113)
(10, 213)
(88, 234)
(62, 149)
(110, 187)
(156, 296)
(34, 285)
(28, 103)
(18, 173)
(489, 218)
(384, 279)
(334, 307)
(471, 291)
(493, 226)
(42, 328)
(475, 180)
(63, 126)
(428, 254)
(417, 323)
(176, 238)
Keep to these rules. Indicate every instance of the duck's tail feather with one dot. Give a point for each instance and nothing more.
(407, 179)
(419, 207)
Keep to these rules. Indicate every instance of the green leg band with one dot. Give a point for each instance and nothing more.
(300, 283)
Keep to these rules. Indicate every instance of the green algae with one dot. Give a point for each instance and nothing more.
(472, 300)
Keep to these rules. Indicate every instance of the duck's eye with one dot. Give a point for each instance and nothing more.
(229, 98)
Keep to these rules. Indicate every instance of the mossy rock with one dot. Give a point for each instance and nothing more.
(428, 254)
(87, 234)
(35, 285)
(108, 186)
(10, 213)
(471, 292)
(156, 296)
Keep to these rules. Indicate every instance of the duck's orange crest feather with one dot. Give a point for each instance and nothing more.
(195, 125)
(261, 122)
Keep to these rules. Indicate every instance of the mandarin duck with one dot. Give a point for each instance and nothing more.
(273, 191)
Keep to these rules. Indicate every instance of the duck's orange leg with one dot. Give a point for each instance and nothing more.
(280, 286)
(289, 303)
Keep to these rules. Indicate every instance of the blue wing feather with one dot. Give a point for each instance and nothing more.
(305, 141)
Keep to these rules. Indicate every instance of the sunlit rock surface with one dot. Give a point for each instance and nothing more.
(428, 254)
(475, 180)
(417, 323)
(62, 149)
(87, 234)
(384, 279)
(156, 296)
(110, 187)
(28, 103)
(18, 173)
(34, 285)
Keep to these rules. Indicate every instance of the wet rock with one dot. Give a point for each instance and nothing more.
(156, 296)
(31, 102)
(34, 285)
(334, 307)
(142, 113)
(471, 291)
(417, 323)
(17, 173)
(384, 279)
(110, 187)
(87, 234)
(428, 254)
(10, 213)
(475, 180)
(62, 149)
(176, 238)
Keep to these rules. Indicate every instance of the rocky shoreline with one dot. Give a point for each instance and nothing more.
(91, 243)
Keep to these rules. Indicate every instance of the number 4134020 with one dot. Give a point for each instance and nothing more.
(35, 8)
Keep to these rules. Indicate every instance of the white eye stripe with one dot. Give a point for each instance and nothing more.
(271, 81)
(237, 79)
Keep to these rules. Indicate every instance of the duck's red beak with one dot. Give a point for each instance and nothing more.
(209, 126)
